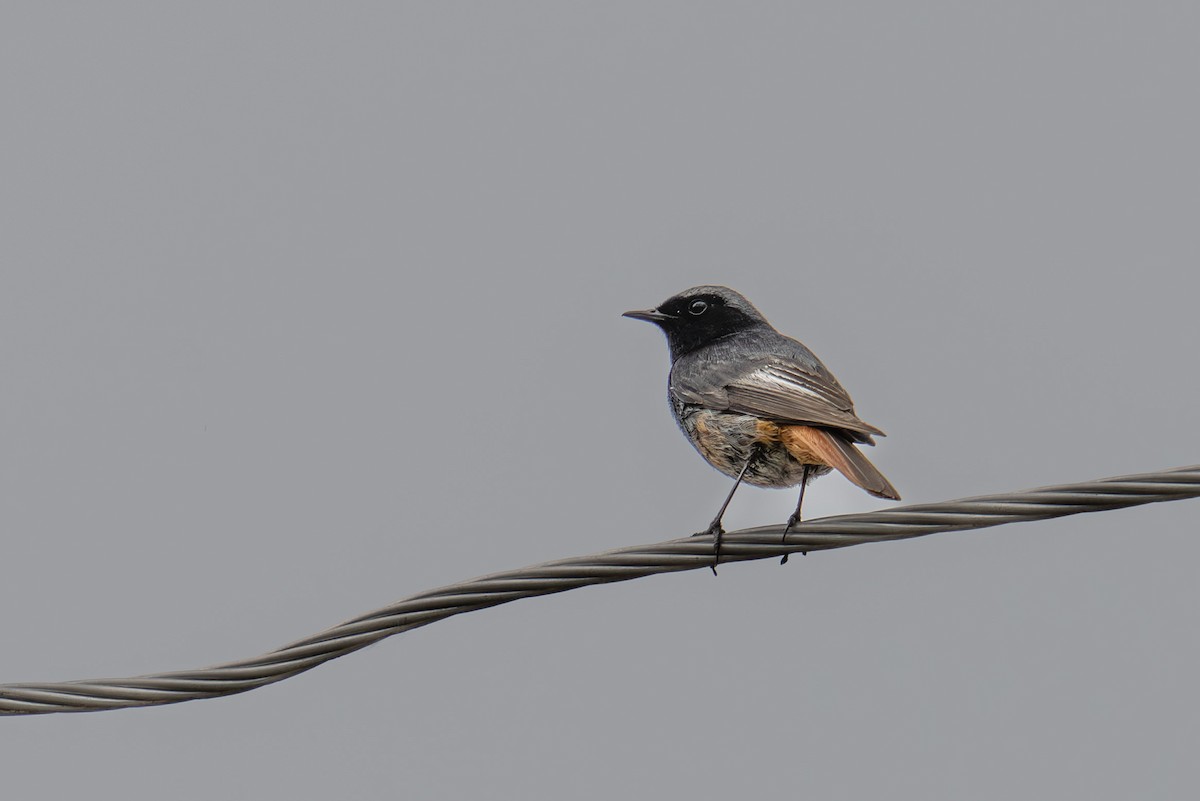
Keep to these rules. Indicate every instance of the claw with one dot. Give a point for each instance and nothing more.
(715, 530)
(793, 520)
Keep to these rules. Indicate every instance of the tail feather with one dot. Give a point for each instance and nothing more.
(821, 446)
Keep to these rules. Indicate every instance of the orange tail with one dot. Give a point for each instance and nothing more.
(820, 446)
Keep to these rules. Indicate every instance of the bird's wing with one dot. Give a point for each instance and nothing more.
(782, 390)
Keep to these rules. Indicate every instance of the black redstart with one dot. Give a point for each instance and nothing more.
(758, 406)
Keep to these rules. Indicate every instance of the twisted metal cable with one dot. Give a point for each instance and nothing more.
(621, 564)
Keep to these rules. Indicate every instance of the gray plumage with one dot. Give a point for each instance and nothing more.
(731, 371)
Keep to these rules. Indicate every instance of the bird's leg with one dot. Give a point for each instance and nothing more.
(795, 518)
(715, 529)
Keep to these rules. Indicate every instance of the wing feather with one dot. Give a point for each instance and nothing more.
(781, 390)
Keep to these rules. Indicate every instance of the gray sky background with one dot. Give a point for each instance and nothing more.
(308, 307)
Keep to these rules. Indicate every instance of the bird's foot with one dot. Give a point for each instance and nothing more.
(793, 520)
(715, 530)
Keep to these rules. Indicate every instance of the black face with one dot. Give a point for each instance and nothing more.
(691, 321)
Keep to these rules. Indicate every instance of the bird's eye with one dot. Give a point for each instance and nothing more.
(698, 307)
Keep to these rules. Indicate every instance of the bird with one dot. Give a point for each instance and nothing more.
(759, 406)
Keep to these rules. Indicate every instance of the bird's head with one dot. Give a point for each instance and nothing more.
(700, 315)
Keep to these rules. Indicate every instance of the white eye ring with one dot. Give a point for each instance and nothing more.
(698, 307)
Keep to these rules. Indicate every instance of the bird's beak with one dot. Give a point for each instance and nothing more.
(649, 315)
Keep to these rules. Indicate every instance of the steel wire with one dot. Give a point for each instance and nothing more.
(622, 564)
